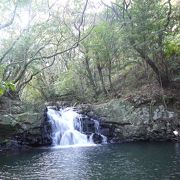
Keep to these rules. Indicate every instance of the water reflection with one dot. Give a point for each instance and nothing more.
(108, 162)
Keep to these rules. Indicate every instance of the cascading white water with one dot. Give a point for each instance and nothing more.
(67, 128)
(96, 126)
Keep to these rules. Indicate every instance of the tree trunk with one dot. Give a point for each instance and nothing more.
(101, 78)
(90, 76)
(162, 78)
(109, 75)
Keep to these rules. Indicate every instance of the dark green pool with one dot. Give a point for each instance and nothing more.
(111, 162)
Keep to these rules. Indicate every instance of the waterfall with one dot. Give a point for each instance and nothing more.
(67, 128)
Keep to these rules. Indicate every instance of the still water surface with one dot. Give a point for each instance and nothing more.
(134, 161)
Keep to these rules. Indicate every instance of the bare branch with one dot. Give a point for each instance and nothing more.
(21, 82)
(66, 50)
(81, 21)
(23, 85)
(2, 26)
(168, 14)
(48, 57)
(10, 48)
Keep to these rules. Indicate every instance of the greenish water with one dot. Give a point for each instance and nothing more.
(108, 162)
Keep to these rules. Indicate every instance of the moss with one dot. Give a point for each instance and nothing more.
(115, 111)
(13, 124)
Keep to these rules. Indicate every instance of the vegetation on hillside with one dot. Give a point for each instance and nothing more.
(87, 50)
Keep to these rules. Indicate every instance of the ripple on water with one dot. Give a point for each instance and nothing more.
(108, 162)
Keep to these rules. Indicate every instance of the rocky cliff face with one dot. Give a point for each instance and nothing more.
(25, 129)
(123, 122)
(22, 125)
(120, 121)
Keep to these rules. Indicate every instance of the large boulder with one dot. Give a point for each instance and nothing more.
(13, 124)
(121, 121)
(23, 124)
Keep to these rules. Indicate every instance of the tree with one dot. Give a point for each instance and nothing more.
(12, 15)
(40, 44)
(7, 86)
(145, 25)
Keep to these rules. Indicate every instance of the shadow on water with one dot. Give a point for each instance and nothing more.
(107, 162)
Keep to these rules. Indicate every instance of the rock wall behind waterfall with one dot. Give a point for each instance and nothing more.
(121, 121)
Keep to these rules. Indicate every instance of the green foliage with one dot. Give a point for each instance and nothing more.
(115, 47)
(67, 82)
(145, 23)
(31, 95)
(103, 41)
(172, 46)
(6, 86)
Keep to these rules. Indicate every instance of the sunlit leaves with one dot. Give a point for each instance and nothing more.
(6, 86)
(172, 45)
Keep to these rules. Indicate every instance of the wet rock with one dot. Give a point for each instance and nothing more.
(97, 138)
(26, 129)
(119, 121)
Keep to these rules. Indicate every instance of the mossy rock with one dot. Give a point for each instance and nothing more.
(115, 111)
(123, 112)
(13, 124)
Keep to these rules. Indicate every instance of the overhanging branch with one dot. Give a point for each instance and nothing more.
(2, 26)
